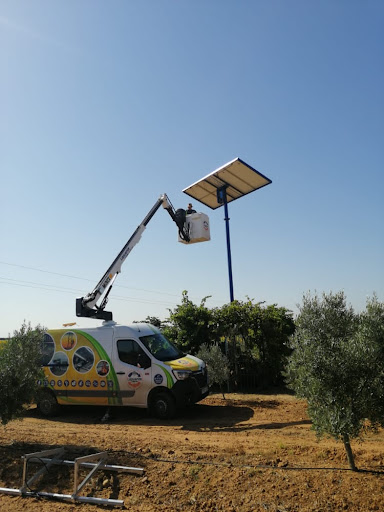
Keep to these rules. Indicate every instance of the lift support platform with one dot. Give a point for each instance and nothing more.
(48, 458)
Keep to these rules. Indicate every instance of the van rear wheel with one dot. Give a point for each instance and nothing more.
(47, 404)
(163, 406)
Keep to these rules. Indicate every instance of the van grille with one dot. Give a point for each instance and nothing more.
(201, 377)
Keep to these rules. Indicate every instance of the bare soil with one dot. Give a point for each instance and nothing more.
(245, 453)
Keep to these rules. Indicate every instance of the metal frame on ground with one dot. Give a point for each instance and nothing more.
(93, 462)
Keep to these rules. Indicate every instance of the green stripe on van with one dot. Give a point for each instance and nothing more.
(103, 355)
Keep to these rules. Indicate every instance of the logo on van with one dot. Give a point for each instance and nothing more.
(158, 378)
(184, 362)
(134, 380)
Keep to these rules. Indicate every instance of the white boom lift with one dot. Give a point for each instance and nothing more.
(87, 306)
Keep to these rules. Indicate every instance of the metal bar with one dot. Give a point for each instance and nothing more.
(77, 463)
(12, 492)
(27, 485)
(37, 455)
(65, 497)
(44, 453)
(92, 298)
(226, 218)
(107, 467)
(23, 482)
(102, 456)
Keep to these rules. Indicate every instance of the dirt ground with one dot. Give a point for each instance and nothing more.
(245, 453)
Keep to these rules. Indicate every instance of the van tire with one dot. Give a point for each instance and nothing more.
(163, 406)
(47, 404)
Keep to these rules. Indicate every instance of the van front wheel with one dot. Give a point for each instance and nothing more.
(163, 406)
(47, 404)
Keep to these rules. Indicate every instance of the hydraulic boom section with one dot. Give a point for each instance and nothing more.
(87, 306)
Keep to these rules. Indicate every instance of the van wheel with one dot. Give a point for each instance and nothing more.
(163, 406)
(47, 404)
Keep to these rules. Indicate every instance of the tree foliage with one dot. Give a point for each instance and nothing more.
(19, 370)
(153, 320)
(217, 364)
(337, 365)
(256, 335)
(190, 325)
(260, 336)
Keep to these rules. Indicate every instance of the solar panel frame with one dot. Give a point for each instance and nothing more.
(239, 177)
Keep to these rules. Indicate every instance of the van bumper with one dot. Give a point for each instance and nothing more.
(190, 391)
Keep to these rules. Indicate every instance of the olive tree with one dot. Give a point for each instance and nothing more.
(217, 364)
(19, 371)
(337, 365)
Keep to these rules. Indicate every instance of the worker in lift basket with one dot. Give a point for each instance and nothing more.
(190, 209)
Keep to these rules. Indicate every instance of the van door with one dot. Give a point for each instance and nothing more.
(134, 372)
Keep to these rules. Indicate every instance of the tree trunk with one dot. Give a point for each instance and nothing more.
(348, 449)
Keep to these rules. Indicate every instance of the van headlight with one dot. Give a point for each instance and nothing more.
(181, 374)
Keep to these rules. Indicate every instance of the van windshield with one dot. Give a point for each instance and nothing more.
(160, 347)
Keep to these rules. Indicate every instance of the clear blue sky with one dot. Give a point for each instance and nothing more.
(106, 105)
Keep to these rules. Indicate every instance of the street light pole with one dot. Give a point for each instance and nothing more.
(231, 181)
(222, 199)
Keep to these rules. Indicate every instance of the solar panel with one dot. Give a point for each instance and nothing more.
(238, 177)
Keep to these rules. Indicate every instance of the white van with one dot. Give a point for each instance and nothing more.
(117, 365)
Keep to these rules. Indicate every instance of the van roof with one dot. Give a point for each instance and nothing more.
(142, 327)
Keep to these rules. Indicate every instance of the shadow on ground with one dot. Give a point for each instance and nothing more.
(222, 415)
(197, 417)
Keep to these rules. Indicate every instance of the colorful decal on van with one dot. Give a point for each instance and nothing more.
(158, 379)
(184, 363)
(68, 340)
(103, 368)
(78, 369)
(134, 380)
(168, 376)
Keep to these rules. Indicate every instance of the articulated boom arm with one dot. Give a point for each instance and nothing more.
(87, 306)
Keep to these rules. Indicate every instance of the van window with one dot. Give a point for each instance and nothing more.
(160, 347)
(130, 352)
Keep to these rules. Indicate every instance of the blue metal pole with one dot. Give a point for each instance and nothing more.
(226, 218)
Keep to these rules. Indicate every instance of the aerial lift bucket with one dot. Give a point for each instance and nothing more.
(197, 227)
